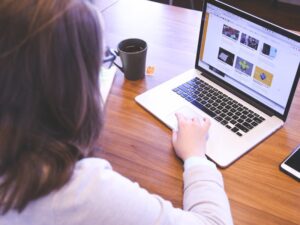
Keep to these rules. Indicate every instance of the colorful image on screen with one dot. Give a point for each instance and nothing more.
(268, 50)
(226, 56)
(243, 66)
(249, 41)
(230, 32)
(262, 76)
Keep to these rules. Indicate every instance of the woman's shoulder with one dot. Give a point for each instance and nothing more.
(88, 187)
(87, 173)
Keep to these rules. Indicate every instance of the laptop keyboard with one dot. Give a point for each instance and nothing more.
(227, 111)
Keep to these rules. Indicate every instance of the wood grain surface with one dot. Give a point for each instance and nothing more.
(139, 146)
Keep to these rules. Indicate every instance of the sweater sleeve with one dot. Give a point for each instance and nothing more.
(204, 195)
(101, 196)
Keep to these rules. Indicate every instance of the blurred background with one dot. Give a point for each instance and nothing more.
(285, 13)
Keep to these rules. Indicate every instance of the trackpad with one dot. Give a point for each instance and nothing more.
(186, 111)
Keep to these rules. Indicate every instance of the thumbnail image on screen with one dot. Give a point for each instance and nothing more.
(263, 77)
(249, 41)
(268, 50)
(243, 66)
(230, 32)
(226, 56)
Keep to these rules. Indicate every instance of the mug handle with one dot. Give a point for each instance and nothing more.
(116, 53)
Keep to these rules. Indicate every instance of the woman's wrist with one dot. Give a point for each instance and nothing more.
(197, 161)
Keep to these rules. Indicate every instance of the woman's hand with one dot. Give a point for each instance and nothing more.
(190, 139)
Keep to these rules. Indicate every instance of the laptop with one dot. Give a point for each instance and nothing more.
(245, 77)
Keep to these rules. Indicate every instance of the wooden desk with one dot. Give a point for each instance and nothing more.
(139, 146)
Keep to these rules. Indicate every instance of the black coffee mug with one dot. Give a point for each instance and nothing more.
(132, 53)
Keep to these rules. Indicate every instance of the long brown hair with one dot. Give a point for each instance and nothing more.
(50, 111)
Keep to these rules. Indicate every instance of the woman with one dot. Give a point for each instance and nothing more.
(50, 119)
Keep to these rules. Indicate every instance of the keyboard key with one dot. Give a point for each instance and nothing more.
(257, 120)
(235, 117)
(234, 129)
(222, 115)
(184, 95)
(240, 120)
(233, 110)
(254, 124)
(233, 121)
(218, 118)
(247, 125)
(194, 96)
(238, 133)
(241, 127)
(248, 120)
(227, 118)
(224, 122)
(261, 118)
(188, 98)
(184, 89)
(176, 89)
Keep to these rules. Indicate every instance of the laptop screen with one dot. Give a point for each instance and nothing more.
(251, 55)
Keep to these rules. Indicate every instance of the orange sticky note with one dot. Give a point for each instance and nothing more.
(150, 70)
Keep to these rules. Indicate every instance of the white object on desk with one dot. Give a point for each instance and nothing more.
(105, 81)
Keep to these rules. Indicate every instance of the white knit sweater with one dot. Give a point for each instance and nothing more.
(98, 195)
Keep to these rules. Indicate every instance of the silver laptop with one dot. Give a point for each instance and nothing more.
(245, 77)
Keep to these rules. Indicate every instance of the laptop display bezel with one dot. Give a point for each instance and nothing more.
(266, 109)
